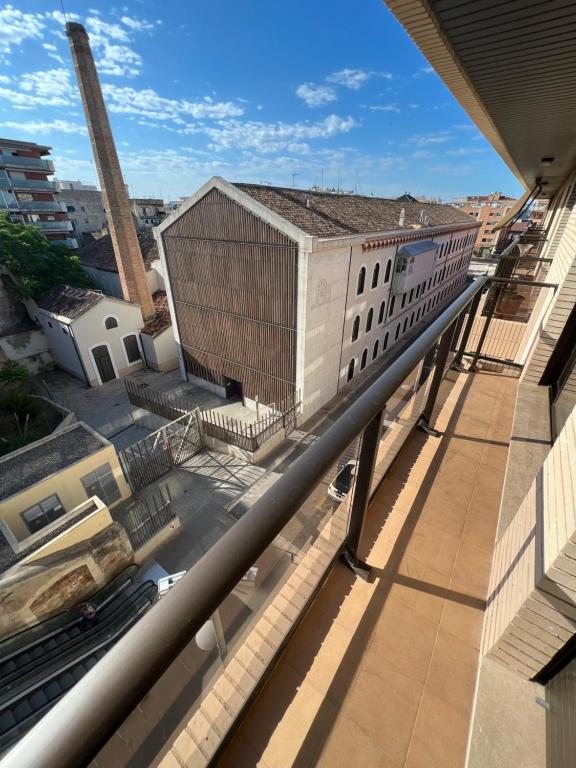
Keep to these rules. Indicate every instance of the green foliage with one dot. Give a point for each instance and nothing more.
(13, 373)
(19, 403)
(36, 264)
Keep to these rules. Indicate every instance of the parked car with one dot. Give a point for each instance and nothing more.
(339, 488)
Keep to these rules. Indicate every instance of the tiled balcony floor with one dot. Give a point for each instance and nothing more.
(383, 674)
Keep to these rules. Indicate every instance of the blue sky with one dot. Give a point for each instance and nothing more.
(299, 92)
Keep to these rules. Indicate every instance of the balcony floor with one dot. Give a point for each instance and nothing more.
(383, 674)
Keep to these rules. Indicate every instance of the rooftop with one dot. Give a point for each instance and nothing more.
(327, 214)
(100, 253)
(31, 464)
(68, 301)
(27, 145)
(162, 320)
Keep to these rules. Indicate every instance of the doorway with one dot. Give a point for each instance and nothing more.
(233, 389)
(103, 362)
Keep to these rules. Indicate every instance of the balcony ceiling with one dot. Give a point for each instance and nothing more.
(511, 64)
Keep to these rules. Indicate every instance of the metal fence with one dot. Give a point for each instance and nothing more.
(144, 396)
(158, 453)
(148, 517)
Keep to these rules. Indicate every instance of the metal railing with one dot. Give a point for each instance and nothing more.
(53, 226)
(15, 183)
(79, 725)
(33, 163)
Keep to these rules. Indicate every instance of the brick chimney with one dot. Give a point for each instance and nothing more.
(116, 203)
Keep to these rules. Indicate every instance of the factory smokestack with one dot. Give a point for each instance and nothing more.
(124, 238)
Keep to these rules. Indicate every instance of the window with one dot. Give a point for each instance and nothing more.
(418, 314)
(101, 483)
(397, 333)
(375, 275)
(403, 301)
(369, 319)
(364, 358)
(132, 348)
(405, 324)
(42, 514)
(110, 322)
(391, 307)
(350, 370)
(385, 345)
(412, 320)
(355, 327)
(361, 281)
(388, 268)
(381, 312)
(375, 350)
(411, 296)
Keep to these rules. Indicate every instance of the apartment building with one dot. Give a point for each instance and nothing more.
(28, 195)
(280, 293)
(489, 211)
(148, 212)
(84, 205)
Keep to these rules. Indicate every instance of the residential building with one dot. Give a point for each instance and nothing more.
(27, 193)
(148, 212)
(448, 638)
(84, 205)
(488, 210)
(316, 285)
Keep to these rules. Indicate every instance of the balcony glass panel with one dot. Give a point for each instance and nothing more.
(53, 225)
(26, 162)
(6, 183)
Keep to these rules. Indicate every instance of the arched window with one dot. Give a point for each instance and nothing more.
(369, 319)
(132, 349)
(375, 350)
(110, 322)
(385, 345)
(412, 320)
(364, 358)
(381, 312)
(388, 268)
(397, 332)
(418, 314)
(391, 306)
(411, 296)
(355, 327)
(405, 324)
(375, 275)
(361, 281)
(350, 370)
(403, 300)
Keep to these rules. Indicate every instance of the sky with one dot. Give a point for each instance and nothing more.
(295, 94)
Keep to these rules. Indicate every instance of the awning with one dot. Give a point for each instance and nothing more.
(517, 209)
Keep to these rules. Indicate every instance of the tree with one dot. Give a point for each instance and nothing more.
(36, 264)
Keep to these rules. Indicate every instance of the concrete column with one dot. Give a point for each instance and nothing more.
(116, 203)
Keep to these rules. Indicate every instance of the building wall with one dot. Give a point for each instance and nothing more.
(222, 261)
(85, 209)
(109, 282)
(60, 341)
(66, 484)
(160, 351)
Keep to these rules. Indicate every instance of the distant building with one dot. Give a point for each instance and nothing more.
(148, 212)
(282, 292)
(488, 210)
(27, 193)
(84, 206)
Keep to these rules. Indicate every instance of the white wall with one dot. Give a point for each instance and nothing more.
(60, 341)
(160, 351)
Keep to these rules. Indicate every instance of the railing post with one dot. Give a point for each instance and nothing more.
(467, 329)
(362, 485)
(441, 358)
(482, 339)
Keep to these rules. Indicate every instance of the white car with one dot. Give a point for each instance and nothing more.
(339, 488)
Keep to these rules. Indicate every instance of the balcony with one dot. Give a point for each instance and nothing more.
(35, 206)
(53, 226)
(416, 523)
(29, 163)
(27, 184)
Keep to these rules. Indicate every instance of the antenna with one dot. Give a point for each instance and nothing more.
(64, 11)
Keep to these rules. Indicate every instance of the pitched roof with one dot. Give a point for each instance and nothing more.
(162, 320)
(327, 214)
(100, 253)
(67, 301)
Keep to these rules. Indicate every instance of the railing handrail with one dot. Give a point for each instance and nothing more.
(79, 725)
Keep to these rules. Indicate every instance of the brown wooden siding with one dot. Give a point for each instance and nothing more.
(234, 280)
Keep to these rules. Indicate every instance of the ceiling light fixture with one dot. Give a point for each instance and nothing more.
(548, 160)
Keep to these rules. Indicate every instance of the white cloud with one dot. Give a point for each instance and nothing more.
(116, 59)
(48, 88)
(43, 128)
(52, 52)
(103, 29)
(4, 79)
(315, 95)
(424, 139)
(423, 71)
(464, 151)
(423, 153)
(139, 25)
(385, 108)
(149, 104)
(16, 27)
(270, 137)
(350, 78)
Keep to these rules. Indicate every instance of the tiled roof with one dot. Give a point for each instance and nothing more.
(67, 301)
(328, 215)
(100, 253)
(162, 319)
(29, 465)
